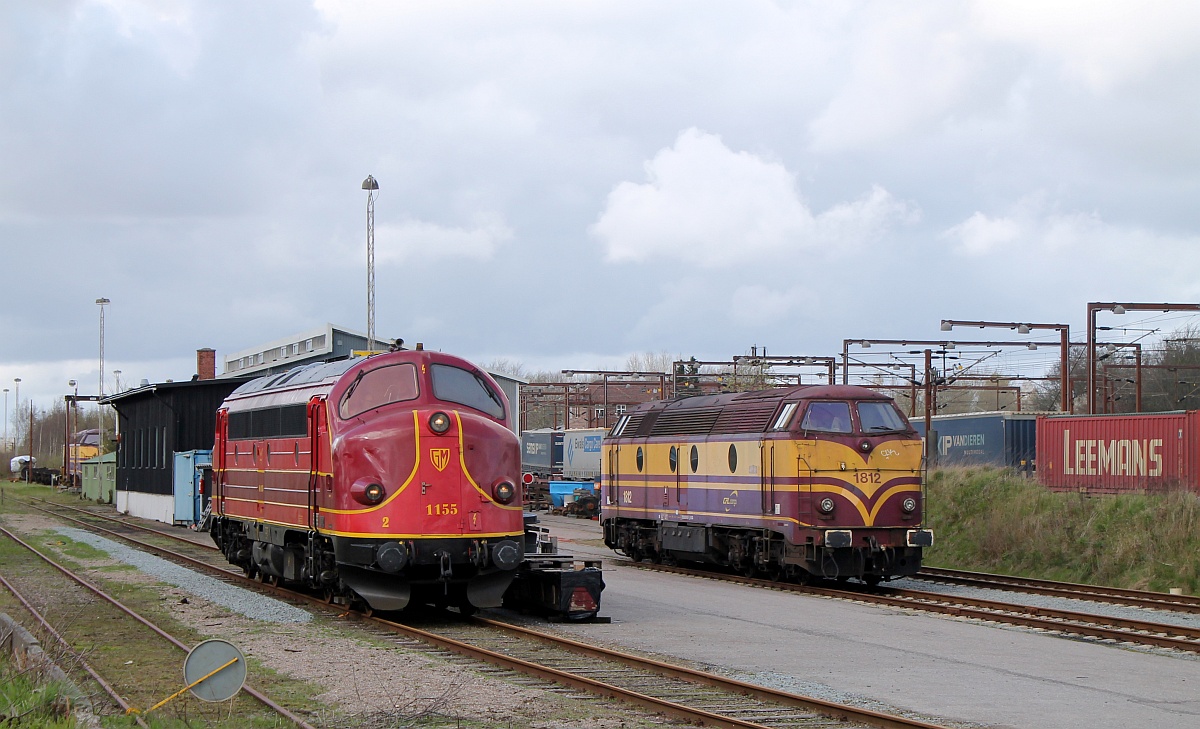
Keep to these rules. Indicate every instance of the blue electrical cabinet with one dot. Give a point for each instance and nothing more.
(190, 470)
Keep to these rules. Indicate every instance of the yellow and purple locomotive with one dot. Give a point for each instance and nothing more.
(382, 480)
(796, 482)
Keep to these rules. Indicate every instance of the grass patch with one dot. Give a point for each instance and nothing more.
(992, 520)
(25, 702)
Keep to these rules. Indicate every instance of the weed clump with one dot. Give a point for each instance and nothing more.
(28, 703)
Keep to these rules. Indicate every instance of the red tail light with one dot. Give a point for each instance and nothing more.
(582, 601)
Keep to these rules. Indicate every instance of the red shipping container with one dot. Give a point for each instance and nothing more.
(1109, 454)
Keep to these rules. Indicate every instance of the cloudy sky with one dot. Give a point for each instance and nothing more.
(566, 183)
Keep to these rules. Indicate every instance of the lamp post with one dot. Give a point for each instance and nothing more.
(6, 418)
(101, 302)
(371, 186)
(1117, 308)
(69, 453)
(17, 409)
(1064, 330)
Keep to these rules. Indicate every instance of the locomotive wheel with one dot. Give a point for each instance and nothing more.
(327, 596)
(466, 609)
(272, 580)
(872, 580)
(747, 569)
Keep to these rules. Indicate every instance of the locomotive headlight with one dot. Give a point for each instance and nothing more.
(504, 492)
(909, 505)
(826, 505)
(367, 492)
(439, 422)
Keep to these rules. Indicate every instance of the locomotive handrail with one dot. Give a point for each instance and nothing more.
(314, 438)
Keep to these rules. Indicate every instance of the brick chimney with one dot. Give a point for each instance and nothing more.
(206, 364)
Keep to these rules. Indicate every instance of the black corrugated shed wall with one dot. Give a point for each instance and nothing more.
(160, 420)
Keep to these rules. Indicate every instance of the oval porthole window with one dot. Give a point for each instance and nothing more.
(674, 458)
(695, 458)
(732, 458)
(640, 460)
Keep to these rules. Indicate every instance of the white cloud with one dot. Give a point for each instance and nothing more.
(704, 204)
(979, 234)
(1103, 43)
(1038, 246)
(423, 241)
(908, 66)
(168, 25)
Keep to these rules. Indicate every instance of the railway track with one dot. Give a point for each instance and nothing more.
(1093, 625)
(262, 698)
(694, 696)
(1094, 593)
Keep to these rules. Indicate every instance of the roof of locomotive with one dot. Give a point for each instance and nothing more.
(744, 412)
(302, 375)
(777, 394)
(300, 383)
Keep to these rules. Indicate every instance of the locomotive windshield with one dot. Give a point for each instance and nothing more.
(877, 417)
(828, 417)
(454, 384)
(379, 387)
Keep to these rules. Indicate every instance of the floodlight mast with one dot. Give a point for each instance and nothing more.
(371, 186)
(101, 302)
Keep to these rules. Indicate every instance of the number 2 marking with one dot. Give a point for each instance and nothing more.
(386, 521)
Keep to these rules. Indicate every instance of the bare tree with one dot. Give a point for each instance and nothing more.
(651, 362)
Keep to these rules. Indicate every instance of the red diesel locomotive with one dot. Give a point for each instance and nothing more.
(382, 480)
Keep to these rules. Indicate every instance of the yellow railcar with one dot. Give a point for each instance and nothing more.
(822, 481)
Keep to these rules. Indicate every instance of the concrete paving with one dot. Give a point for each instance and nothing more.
(944, 669)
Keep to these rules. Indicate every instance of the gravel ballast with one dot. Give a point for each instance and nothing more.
(250, 604)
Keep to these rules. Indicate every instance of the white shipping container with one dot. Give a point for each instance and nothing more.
(581, 454)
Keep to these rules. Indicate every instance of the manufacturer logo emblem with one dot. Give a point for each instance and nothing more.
(440, 458)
